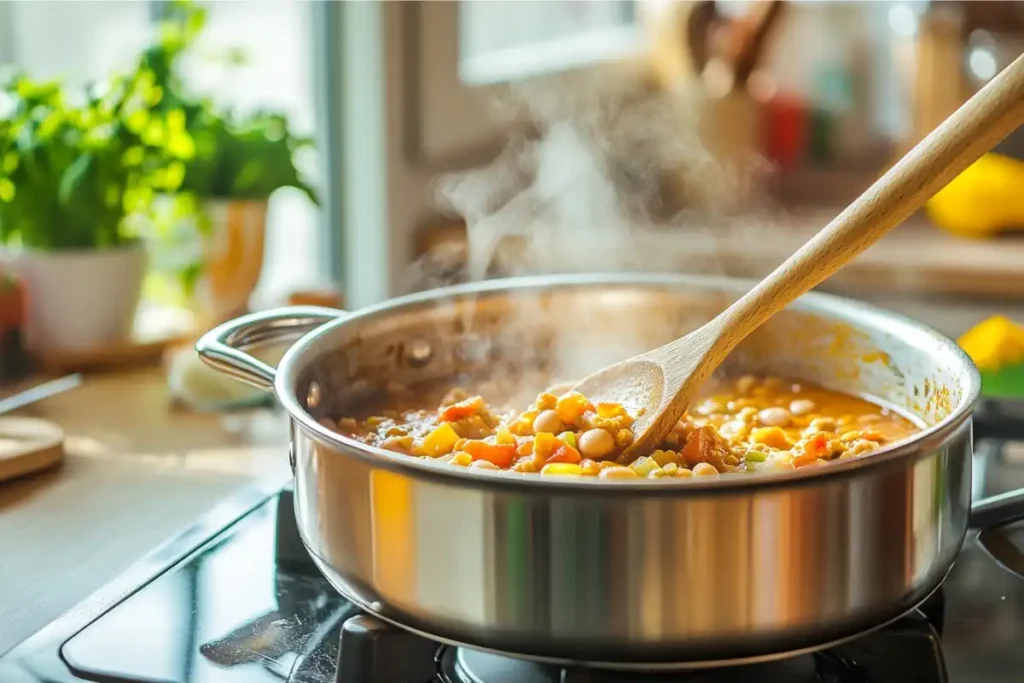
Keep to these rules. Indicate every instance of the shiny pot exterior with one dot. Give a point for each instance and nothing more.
(644, 572)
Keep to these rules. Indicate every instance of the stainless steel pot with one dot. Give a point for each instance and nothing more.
(627, 573)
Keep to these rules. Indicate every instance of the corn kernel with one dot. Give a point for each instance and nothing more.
(503, 437)
(462, 459)
(563, 468)
(546, 401)
(544, 444)
(665, 458)
(623, 438)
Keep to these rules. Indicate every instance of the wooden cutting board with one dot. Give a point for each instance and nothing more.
(29, 445)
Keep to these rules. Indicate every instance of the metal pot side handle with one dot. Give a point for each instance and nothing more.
(223, 348)
(998, 510)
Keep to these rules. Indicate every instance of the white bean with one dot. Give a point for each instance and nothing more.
(703, 469)
(596, 443)
(801, 406)
(547, 421)
(774, 417)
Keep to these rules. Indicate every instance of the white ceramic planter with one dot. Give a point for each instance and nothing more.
(80, 300)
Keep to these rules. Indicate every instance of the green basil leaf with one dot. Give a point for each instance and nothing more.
(74, 177)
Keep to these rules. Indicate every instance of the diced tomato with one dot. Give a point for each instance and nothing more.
(501, 456)
(466, 408)
(563, 452)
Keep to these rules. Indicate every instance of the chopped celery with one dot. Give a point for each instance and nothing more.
(756, 456)
(644, 466)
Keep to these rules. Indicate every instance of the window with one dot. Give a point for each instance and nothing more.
(77, 41)
(81, 40)
(504, 40)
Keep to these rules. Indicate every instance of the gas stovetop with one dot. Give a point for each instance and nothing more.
(236, 599)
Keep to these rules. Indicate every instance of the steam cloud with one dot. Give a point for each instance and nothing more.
(606, 172)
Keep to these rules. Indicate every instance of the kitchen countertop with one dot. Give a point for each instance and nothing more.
(137, 472)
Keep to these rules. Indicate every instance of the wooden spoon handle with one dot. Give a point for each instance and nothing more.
(974, 129)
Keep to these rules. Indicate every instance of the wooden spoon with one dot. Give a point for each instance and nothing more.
(658, 385)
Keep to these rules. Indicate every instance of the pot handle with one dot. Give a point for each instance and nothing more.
(998, 510)
(223, 348)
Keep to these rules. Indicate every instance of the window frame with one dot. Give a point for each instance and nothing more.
(6, 33)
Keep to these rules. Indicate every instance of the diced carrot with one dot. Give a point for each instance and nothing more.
(804, 459)
(564, 453)
(699, 445)
(501, 456)
(818, 445)
(462, 409)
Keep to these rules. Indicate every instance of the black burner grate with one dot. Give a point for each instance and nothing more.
(907, 651)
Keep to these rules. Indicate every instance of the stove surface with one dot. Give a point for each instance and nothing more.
(236, 598)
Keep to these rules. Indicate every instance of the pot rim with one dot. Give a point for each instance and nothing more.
(924, 442)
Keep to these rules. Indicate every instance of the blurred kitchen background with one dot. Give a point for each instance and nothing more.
(293, 149)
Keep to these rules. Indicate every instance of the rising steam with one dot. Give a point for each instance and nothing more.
(608, 173)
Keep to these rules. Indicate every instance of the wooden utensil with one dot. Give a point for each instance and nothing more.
(658, 385)
(28, 444)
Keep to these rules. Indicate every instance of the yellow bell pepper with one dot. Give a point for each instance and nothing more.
(994, 344)
(983, 200)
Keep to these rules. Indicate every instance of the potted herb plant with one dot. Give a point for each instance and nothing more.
(73, 174)
(240, 160)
